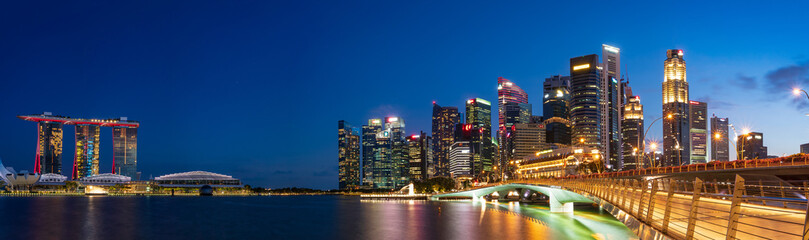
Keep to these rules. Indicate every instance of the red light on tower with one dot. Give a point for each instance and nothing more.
(467, 127)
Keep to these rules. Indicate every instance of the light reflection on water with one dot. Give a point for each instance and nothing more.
(292, 217)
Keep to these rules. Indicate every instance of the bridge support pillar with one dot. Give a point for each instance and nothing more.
(558, 207)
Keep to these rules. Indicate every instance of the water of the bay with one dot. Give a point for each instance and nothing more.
(293, 217)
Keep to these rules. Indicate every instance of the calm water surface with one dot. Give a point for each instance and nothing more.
(292, 217)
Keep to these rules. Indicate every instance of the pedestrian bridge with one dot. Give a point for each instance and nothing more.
(560, 200)
(679, 209)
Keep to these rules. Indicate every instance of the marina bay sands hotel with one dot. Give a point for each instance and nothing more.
(48, 157)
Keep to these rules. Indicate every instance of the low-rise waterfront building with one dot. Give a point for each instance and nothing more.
(559, 163)
(197, 179)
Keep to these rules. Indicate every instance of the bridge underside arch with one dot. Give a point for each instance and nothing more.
(560, 200)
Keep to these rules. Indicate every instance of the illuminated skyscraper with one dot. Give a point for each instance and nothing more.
(125, 151)
(556, 109)
(460, 156)
(585, 107)
(632, 131)
(49, 148)
(699, 132)
(479, 115)
(385, 154)
(87, 147)
(348, 160)
(676, 129)
(512, 108)
(372, 151)
(420, 156)
(611, 102)
(720, 149)
(444, 121)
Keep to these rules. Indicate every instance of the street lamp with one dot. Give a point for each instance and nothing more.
(669, 116)
(797, 92)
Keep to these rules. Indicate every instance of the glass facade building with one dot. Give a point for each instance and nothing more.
(512, 108)
(479, 115)
(751, 146)
(125, 151)
(611, 101)
(699, 132)
(677, 128)
(348, 160)
(88, 139)
(556, 109)
(49, 148)
(385, 154)
(720, 148)
(420, 156)
(585, 107)
(632, 132)
(443, 126)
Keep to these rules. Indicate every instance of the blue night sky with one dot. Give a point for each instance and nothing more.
(255, 89)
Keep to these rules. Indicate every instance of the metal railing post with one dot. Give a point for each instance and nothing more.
(782, 192)
(651, 206)
(806, 219)
(761, 189)
(624, 193)
(632, 198)
(735, 207)
(692, 216)
(715, 187)
(640, 204)
(667, 213)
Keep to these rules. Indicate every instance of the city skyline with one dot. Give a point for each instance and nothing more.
(205, 127)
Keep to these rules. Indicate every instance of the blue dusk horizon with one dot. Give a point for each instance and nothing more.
(255, 89)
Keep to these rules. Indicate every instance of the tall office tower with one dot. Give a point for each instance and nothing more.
(444, 121)
(751, 146)
(399, 154)
(632, 131)
(49, 148)
(372, 152)
(556, 109)
(699, 132)
(125, 151)
(611, 102)
(720, 150)
(513, 108)
(805, 148)
(516, 113)
(87, 147)
(585, 107)
(348, 156)
(420, 156)
(460, 156)
(479, 115)
(676, 129)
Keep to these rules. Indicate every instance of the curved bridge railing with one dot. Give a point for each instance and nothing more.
(560, 200)
(701, 210)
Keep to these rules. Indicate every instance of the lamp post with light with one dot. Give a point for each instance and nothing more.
(643, 149)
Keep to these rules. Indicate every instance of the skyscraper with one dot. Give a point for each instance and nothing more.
(611, 101)
(676, 129)
(420, 156)
(512, 108)
(49, 148)
(720, 150)
(805, 148)
(479, 115)
(125, 151)
(751, 146)
(348, 160)
(556, 109)
(585, 107)
(87, 147)
(372, 152)
(528, 139)
(460, 156)
(444, 121)
(632, 132)
(699, 132)
(385, 153)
